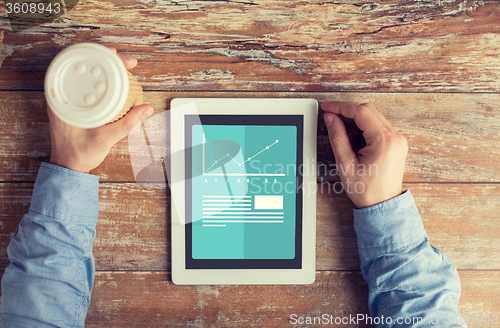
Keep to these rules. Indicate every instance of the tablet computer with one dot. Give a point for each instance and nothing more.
(243, 190)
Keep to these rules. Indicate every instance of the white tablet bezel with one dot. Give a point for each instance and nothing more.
(180, 107)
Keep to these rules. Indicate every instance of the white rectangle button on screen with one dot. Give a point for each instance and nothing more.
(268, 202)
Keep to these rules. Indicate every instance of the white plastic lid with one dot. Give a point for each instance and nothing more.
(86, 85)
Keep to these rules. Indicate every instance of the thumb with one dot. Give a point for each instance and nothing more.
(339, 140)
(121, 128)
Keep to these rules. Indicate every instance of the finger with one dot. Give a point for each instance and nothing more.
(380, 117)
(364, 118)
(118, 130)
(50, 112)
(129, 62)
(54, 120)
(339, 140)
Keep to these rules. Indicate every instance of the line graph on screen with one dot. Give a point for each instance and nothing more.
(233, 154)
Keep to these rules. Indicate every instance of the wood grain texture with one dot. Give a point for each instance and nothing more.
(133, 230)
(452, 137)
(425, 46)
(431, 67)
(149, 299)
(478, 293)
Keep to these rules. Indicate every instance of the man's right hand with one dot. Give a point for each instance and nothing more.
(370, 153)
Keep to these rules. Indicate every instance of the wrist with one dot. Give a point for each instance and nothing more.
(377, 198)
(68, 165)
(368, 205)
(388, 227)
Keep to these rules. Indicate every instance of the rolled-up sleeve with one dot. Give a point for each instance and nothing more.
(408, 279)
(49, 280)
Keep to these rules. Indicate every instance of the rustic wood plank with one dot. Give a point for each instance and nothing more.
(230, 47)
(452, 137)
(480, 290)
(149, 299)
(461, 220)
(274, 45)
(133, 231)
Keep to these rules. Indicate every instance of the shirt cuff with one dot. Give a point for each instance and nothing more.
(66, 195)
(389, 227)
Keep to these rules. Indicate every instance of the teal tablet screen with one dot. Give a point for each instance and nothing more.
(244, 191)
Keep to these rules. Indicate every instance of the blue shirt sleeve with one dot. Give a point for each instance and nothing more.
(49, 280)
(411, 282)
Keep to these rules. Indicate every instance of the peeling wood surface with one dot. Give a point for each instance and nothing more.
(431, 67)
(452, 137)
(149, 299)
(133, 231)
(425, 46)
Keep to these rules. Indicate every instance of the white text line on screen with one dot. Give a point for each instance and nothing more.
(243, 221)
(207, 196)
(253, 213)
(248, 174)
(242, 217)
(227, 208)
(225, 200)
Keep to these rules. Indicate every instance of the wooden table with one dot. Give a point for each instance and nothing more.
(431, 67)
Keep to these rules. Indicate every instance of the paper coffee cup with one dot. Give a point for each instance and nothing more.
(87, 85)
(135, 96)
